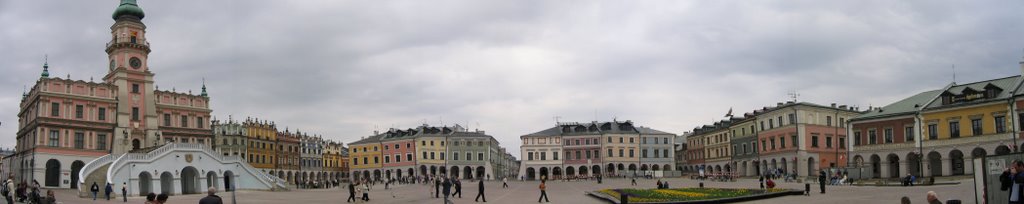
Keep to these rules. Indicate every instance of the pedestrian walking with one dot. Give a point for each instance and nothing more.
(108, 189)
(760, 180)
(543, 192)
(124, 191)
(480, 194)
(437, 188)
(95, 189)
(821, 180)
(458, 187)
(634, 181)
(366, 192)
(431, 191)
(447, 184)
(351, 193)
(150, 198)
(504, 183)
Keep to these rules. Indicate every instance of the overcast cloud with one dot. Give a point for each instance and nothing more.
(345, 68)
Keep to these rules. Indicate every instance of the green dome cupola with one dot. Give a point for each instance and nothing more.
(128, 7)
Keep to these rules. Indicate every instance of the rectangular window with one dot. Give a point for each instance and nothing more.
(365, 161)
(54, 138)
(631, 140)
(610, 153)
(976, 127)
(954, 129)
(597, 155)
(408, 157)
(101, 114)
(621, 153)
(79, 111)
(814, 141)
(908, 132)
(782, 142)
(764, 146)
(433, 155)
(872, 137)
(135, 113)
(792, 118)
(530, 154)
(398, 158)
(135, 88)
(664, 140)
(54, 109)
(554, 155)
(101, 141)
(933, 131)
(456, 156)
(79, 140)
(828, 142)
(543, 156)
(656, 155)
(184, 121)
(771, 123)
(480, 156)
(793, 139)
(888, 135)
(773, 143)
(780, 121)
(1000, 124)
(199, 122)
(387, 159)
(588, 155)
(643, 153)
(828, 121)
(631, 155)
(609, 139)
(376, 160)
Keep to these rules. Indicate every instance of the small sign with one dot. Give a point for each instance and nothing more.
(996, 166)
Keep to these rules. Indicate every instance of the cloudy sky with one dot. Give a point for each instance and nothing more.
(345, 68)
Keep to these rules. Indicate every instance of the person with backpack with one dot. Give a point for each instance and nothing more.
(95, 189)
(124, 191)
(543, 192)
(108, 190)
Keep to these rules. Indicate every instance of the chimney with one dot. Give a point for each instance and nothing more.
(778, 104)
(842, 107)
(833, 105)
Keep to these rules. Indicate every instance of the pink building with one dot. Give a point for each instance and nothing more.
(399, 150)
(64, 123)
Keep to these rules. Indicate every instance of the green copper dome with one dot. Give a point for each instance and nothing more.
(128, 7)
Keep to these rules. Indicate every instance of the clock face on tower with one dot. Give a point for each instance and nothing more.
(135, 62)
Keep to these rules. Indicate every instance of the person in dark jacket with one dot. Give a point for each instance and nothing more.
(351, 193)
(1012, 180)
(108, 190)
(124, 191)
(821, 180)
(437, 188)
(458, 187)
(480, 194)
(447, 184)
(95, 189)
(211, 197)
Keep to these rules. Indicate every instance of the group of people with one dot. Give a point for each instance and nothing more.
(361, 188)
(317, 184)
(95, 189)
(23, 192)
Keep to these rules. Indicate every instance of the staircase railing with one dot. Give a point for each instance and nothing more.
(93, 165)
(124, 159)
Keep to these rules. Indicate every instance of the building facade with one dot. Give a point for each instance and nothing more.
(937, 133)
(65, 123)
(744, 146)
(618, 148)
(425, 151)
(230, 138)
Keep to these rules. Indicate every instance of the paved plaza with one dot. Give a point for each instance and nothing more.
(568, 192)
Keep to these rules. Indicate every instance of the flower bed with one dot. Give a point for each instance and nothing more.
(689, 194)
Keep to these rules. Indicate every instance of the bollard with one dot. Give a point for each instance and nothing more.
(623, 198)
(701, 184)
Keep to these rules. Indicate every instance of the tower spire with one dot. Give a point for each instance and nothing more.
(204, 88)
(46, 66)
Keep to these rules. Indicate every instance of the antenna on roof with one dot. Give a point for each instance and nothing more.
(794, 95)
(556, 119)
(954, 73)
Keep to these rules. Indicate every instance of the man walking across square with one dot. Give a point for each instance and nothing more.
(504, 182)
(480, 194)
(458, 187)
(543, 192)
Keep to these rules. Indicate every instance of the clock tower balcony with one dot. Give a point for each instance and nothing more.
(120, 43)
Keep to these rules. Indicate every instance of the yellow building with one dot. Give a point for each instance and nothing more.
(964, 122)
(430, 157)
(262, 136)
(365, 159)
